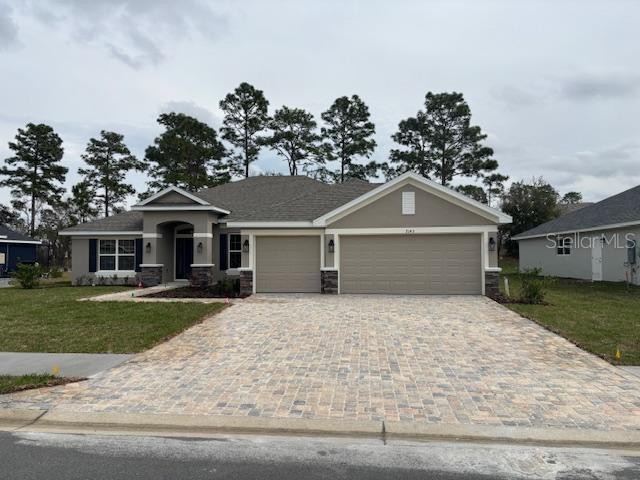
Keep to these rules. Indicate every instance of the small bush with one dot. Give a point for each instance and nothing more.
(55, 272)
(27, 275)
(533, 287)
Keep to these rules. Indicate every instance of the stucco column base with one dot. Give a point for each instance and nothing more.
(329, 281)
(246, 282)
(202, 275)
(151, 275)
(491, 284)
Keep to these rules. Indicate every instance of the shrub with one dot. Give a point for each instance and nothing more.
(55, 272)
(533, 287)
(28, 275)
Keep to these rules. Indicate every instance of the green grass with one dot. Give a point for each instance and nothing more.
(49, 319)
(10, 383)
(597, 316)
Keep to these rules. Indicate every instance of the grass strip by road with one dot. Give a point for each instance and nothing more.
(599, 317)
(50, 319)
(11, 383)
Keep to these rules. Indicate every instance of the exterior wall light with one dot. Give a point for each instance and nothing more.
(331, 246)
(492, 244)
(199, 248)
(148, 247)
(245, 246)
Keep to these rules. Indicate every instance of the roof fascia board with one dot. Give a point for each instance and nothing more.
(185, 208)
(170, 189)
(610, 226)
(34, 242)
(428, 185)
(302, 224)
(101, 233)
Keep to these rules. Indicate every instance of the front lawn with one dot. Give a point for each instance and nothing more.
(49, 319)
(10, 383)
(599, 317)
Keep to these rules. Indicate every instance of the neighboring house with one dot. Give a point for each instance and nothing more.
(295, 234)
(15, 248)
(597, 242)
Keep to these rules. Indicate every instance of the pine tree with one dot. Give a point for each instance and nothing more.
(348, 135)
(34, 173)
(187, 154)
(109, 161)
(245, 116)
(295, 139)
(441, 143)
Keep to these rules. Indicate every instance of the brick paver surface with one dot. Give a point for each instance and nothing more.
(463, 360)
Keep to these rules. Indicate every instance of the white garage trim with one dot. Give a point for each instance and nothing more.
(290, 232)
(411, 231)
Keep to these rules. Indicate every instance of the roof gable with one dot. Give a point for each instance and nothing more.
(175, 198)
(418, 181)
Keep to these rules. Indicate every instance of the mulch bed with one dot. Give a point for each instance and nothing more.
(194, 292)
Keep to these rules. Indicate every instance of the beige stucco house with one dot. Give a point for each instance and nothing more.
(295, 234)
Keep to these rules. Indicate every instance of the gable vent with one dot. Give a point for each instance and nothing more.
(408, 203)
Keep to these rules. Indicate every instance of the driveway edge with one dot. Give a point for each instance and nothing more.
(193, 425)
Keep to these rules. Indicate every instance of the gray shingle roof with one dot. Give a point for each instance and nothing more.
(121, 222)
(12, 235)
(621, 208)
(266, 198)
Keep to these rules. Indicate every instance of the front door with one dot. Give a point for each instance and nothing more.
(184, 258)
(596, 259)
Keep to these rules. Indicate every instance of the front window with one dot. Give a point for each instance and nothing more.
(564, 246)
(235, 251)
(117, 255)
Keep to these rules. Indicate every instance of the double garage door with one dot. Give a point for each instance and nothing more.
(386, 264)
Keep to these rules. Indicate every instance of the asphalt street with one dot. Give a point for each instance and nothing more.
(28, 456)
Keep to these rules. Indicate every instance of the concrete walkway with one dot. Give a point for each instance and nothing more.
(69, 364)
(140, 296)
(633, 370)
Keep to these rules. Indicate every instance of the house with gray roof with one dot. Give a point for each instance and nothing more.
(280, 234)
(597, 242)
(15, 248)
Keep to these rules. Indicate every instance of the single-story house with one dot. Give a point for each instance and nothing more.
(597, 242)
(294, 234)
(15, 248)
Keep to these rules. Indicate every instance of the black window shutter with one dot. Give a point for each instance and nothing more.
(93, 255)
(223, 251)
(138, 254)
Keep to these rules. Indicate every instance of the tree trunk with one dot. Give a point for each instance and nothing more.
(106, 202)
(33, 202)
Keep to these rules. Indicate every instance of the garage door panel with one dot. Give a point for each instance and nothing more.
(410, 264)
(288, 264)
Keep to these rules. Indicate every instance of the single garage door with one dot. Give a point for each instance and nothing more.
(288, 264)
(410, 264)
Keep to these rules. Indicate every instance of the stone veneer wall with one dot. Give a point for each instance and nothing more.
(329, 281)
(202, 276)
(151, 276)
(246, 282)
(491, 283)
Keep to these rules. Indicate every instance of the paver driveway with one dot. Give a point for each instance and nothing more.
(426, 359)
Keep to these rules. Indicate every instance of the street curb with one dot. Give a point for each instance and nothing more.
(15, 418)
(190, 425)
(203, 424)
(528, 435)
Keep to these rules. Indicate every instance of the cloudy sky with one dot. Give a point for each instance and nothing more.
(555, 84)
